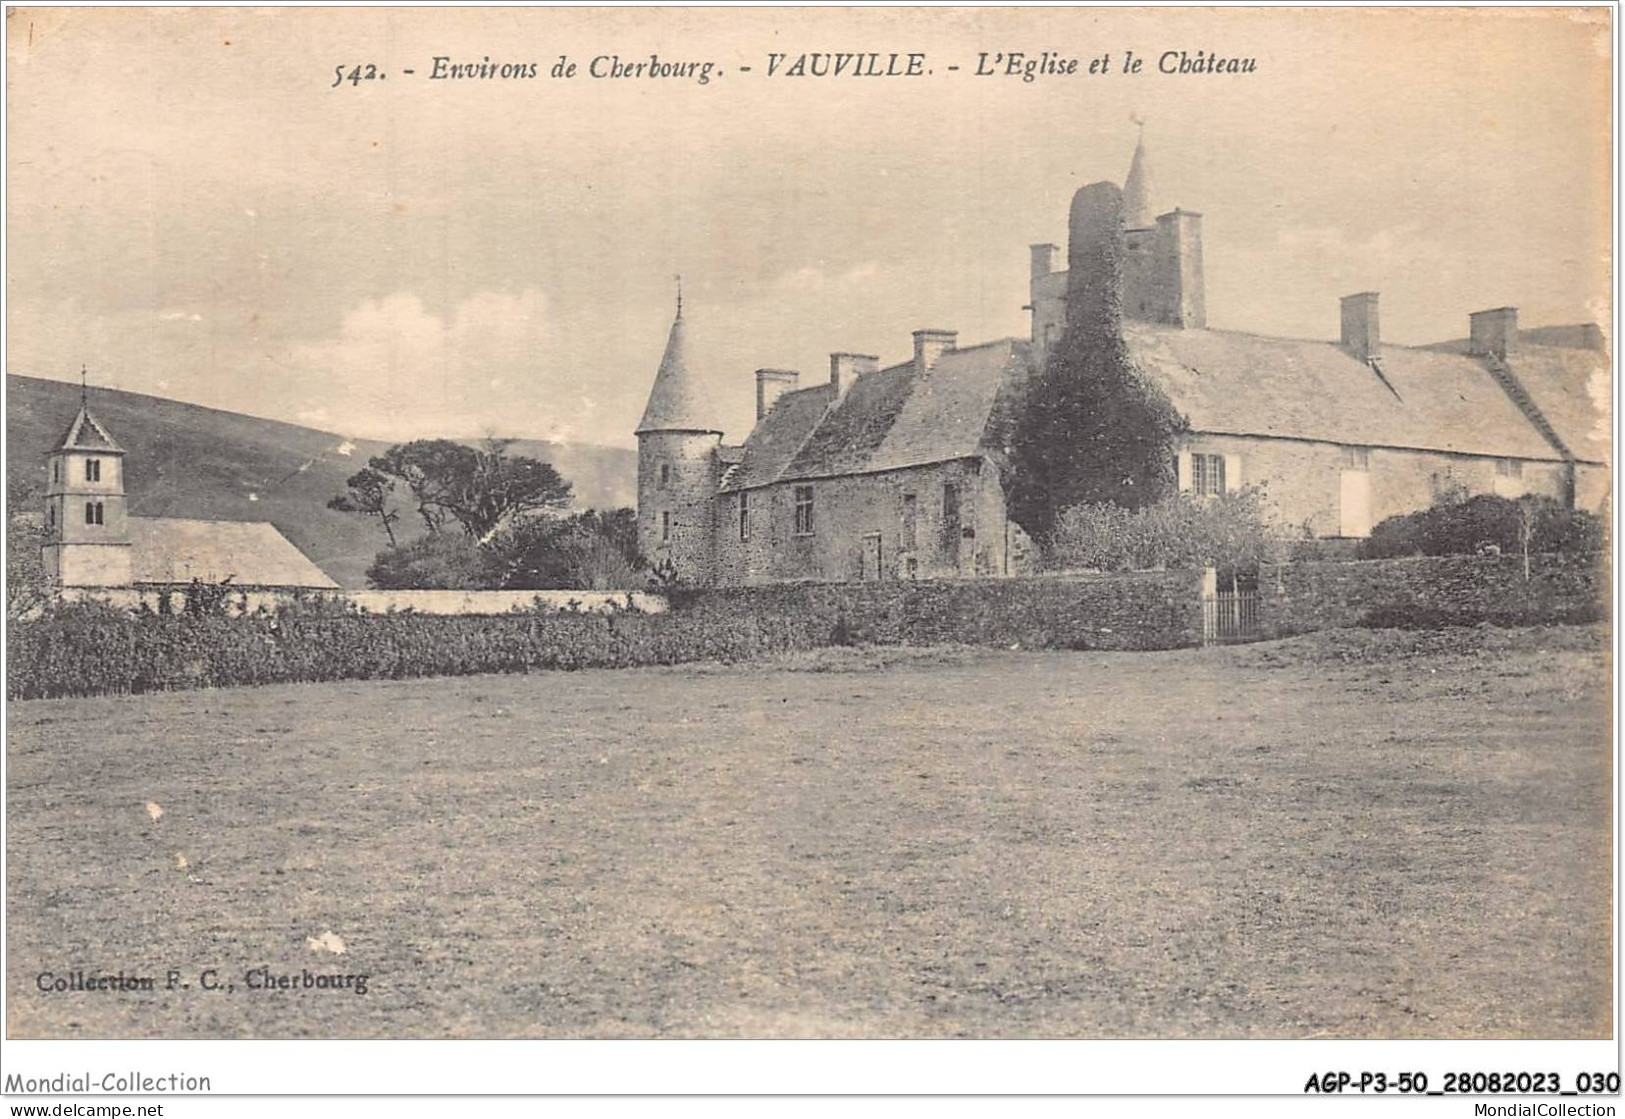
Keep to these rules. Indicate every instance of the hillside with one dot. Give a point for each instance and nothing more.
(188, 461)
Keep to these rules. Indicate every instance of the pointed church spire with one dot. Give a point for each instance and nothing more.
(86, 432)
(677, 402)
(1137, 188)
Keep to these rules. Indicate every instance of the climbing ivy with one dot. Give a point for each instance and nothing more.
(1091, 429)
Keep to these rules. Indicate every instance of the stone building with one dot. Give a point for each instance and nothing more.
(91, 540)
(896, 472)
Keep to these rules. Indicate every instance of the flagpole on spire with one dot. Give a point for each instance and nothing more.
(679, 279)
(84, 386)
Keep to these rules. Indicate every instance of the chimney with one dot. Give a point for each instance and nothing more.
(929, 345)
(1361, 332)
(1044, 260)
(1176, 268)
(846, 368)
(1493, 333)
(772, 384)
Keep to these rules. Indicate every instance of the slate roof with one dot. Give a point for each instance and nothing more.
(1425, 399)
(677, 401)
(1567, 374)
(86, 433)
(1573, 388)
(251, 553)
(887, 420)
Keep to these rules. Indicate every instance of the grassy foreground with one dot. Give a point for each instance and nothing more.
(1346, 835)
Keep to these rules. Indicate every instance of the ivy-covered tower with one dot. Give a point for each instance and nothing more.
(87, 530)
(678, 468)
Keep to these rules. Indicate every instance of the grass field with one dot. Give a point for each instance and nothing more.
(1347, 835)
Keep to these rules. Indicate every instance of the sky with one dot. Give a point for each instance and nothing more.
(194, 210)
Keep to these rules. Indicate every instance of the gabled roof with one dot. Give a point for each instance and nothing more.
(249, 553)
(1226, 382)
(1573, 388)
(86, 433)
(887, 420)
(1569, 379)
(777, 436)
(677, 401)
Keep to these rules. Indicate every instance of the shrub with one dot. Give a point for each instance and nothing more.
(1483, 523)
(1230, 532)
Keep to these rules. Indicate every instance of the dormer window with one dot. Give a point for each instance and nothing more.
(93, 470)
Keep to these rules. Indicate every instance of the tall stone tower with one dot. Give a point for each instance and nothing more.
(678, 467)
(87, 529)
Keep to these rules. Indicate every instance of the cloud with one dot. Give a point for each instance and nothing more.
(395, 368)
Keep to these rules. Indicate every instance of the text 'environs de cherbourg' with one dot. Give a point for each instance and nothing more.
(1021, 65)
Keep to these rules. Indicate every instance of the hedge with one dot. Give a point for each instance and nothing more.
(90, 649)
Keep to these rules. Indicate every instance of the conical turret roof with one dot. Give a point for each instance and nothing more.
(677, 402)
(1137, 191)
(86, 433)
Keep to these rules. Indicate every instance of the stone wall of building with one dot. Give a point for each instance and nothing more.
(678, 475)
(861, 532)
(1302, 480)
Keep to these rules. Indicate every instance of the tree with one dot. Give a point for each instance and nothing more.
(483, 489)
(25, 536)
(588, 551)
(369, 495)
(436, 561)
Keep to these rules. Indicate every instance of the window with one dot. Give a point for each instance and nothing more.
(804, 510)
(744, 516)
(1356, 458)
(913, 567)
(1207, 475)
(93, 512)
(950, 502)
(665, 473)
(911, 511)
(93, 470)
(56, 470)
(665, 525)
(1508, 468)
(50, 516)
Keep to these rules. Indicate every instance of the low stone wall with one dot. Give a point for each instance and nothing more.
(474, 603)
(1431, 591)
(1141, 610)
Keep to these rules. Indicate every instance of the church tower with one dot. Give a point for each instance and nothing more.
(87, 530)
(678, 467)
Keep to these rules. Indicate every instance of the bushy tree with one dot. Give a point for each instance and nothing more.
(483, 490)
(595, 550)
(1475, 524)
(436, 561)
(1231, 532)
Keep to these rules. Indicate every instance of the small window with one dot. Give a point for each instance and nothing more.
(1509, 468)
(744, 516)
(93, 470)
(56, 470)
(950, 502)
(665, 473)
(804, 510)
(912, 566)
(50, 516)
(1207, 475)
(665, 525)
(911, 512)
(93, 512)
(1356, 458)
